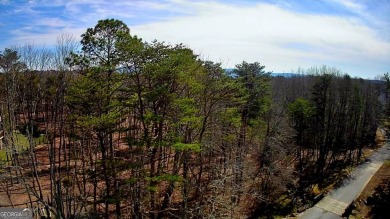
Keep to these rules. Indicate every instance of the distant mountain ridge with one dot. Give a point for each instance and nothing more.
(291, 75)
(273, 74)
(286, 75)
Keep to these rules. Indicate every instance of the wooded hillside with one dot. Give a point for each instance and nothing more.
(120, 128)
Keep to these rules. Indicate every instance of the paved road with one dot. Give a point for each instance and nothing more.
(335, 203)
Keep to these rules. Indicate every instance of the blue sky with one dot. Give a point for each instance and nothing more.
(351, 35)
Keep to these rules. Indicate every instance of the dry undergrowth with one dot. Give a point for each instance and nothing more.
(362, 210)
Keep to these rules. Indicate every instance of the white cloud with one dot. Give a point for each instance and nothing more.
(48, 38)
(350, 4)
(275, 35)
(377, 18)
(261, 32)
(53, 22)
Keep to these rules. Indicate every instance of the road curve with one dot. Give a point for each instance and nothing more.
(333, 205)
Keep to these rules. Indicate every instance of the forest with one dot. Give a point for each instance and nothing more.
(115, 127)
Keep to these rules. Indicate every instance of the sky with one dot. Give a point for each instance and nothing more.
(350, 35)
